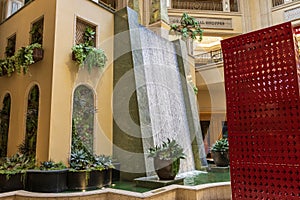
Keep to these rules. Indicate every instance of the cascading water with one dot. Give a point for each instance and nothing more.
(152, 100)
(165, 97)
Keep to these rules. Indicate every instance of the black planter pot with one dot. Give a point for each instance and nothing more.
(12, 182)
(46, 180)
(116, 171)
(85, 180)
(107, 177)
(166, 169)
(221, 158)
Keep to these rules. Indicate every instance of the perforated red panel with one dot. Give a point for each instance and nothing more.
(262, 73)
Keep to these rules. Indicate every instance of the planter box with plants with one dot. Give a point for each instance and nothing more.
(13, 172)
(88, 172)
(167, 159)
(21, 60)
(220, 152)
(28, 55)
(49, 177)
(85, 54)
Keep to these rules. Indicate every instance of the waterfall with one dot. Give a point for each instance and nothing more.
(165, 97)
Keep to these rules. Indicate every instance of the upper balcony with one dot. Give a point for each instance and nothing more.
(10, 7)
(281, 2)
(206, 5)
(211, 57)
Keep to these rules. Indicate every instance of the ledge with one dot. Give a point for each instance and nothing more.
(221, 191)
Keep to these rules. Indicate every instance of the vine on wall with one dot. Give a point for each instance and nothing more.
(4, 125)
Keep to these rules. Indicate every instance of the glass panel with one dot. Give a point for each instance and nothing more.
(32, 121)
(4, 125)
(83, 116)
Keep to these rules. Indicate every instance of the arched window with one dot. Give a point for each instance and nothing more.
(32, 121)
(4, 125)
(83, 118)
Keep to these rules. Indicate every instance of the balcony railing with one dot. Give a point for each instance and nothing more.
(209, 57)
(280, 2)
(202, 5)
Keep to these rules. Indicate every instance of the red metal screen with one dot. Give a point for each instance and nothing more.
(262, 72)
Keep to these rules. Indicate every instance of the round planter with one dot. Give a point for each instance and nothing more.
(46, 180)
(85, 180)
(166, 169)
(221, 158)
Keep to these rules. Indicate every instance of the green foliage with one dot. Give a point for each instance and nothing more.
(18, 163)
(89, 36)
(80, 160)
(4, 124)
(37, 33)
(7, 66)
(169, 150)
(50, 165)
(86, 54)
(188, 28)
(83, 115)
(28, 146)
(103, 161)
(20, 61)
(24, 57)
(221, 145)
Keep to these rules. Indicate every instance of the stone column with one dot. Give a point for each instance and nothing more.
(226, 6)
(159, 19)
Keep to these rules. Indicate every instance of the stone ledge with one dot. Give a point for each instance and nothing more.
(212, 191)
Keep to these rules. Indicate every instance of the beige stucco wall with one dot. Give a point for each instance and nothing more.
(67, 76)
(40, 73)
(57, 76)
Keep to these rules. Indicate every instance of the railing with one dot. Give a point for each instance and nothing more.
(209, 57)
(280, 2)
(108, 4)
(202, 5)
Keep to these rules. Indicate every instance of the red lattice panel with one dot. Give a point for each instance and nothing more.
(263, 112)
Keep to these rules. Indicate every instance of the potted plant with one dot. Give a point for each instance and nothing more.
(85, 54)
(188, 28)
(167, 159)
(220, 152)
(105, 164)
(48, 177)
(12, 171)
(86, 171)
(28, 55)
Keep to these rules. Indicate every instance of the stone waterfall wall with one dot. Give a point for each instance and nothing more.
(152, 100)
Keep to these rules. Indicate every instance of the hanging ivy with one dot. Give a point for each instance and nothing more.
(189, 27)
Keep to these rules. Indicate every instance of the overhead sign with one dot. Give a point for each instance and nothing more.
(214, 23)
